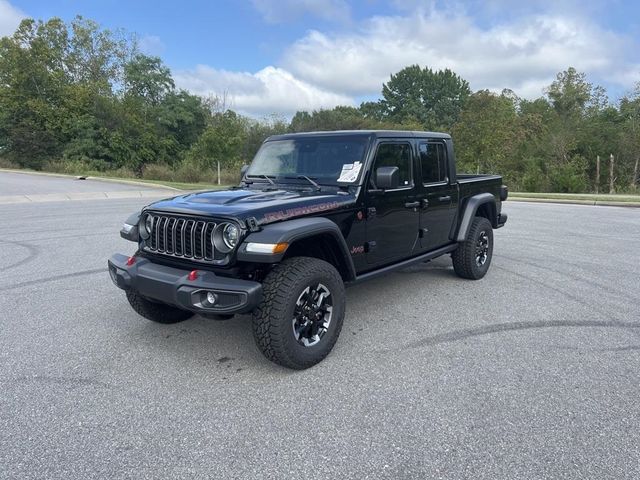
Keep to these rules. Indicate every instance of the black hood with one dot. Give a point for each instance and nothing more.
(265, 206)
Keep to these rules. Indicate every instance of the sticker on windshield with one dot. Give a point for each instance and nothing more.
(350, 172)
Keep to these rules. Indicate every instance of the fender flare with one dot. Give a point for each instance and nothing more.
(129, 229)
(290, 231)
(470, 210)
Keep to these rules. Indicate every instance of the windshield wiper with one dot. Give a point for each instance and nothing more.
(266, 177)
(308, 179)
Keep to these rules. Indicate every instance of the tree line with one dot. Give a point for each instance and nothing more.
(78, 98)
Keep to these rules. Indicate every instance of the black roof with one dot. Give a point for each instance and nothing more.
(369, 133)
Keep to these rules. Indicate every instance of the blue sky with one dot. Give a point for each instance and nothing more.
(278, 56)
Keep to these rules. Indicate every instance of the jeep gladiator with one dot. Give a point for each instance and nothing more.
(314, 212)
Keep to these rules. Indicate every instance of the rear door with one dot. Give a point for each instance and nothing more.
(439, 195)
(392, 217)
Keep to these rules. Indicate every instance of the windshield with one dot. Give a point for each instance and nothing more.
(327, 160)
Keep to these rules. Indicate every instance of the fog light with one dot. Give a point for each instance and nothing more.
(212, 298)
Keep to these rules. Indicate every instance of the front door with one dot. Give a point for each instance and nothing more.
(440, 196)
(392, 217)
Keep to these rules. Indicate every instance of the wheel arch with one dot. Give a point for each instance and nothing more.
(316, 237)
(481, 205)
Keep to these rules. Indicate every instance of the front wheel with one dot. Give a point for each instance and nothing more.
(300, 317)
(473, 256)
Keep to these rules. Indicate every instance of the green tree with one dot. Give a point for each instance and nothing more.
(570, 94)
(147, 79)
(487, 134)
(338, 118)
(222, 141)
(630, 136)
(432, 98)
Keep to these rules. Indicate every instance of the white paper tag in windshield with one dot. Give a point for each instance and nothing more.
(350, 172)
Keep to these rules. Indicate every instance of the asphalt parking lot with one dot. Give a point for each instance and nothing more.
(532, 372)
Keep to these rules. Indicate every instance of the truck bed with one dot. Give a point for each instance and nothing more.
(472, 184)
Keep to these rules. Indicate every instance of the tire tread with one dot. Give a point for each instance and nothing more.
(269, 328)
(464, 256)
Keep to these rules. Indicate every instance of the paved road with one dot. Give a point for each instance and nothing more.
(529, 373)
(29, 184)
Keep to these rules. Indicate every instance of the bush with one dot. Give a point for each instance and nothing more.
(187, 172)
(6, 163)
(191, 173)
(569, 177)
(533, 179)
(155, 171)
(68, 166)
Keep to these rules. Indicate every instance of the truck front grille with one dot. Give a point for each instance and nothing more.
(181, 237)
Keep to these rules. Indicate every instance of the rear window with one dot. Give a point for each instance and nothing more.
(433, 162)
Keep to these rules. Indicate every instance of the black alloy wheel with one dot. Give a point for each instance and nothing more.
(312, 315)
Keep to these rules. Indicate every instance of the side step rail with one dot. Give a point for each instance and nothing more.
(403, 264)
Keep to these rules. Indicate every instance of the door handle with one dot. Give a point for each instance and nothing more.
(412, 204)
(446, 198)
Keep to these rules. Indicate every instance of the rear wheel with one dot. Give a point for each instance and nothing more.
(300, 317)
(156, 312)
(472, 258)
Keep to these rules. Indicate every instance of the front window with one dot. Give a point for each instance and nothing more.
(395, 155)
(326, 160)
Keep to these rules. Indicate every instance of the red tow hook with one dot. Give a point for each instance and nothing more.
(193, 275)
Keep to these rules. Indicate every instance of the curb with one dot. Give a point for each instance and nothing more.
(593, 203)
(99, 179)
(66, 197)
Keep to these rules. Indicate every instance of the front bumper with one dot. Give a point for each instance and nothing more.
(172, 286)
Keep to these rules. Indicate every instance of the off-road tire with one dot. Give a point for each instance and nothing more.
(464, 257)
(272, 319)
(156, 312)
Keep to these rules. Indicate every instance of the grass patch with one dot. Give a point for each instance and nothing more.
(178, 185)
(121, 178)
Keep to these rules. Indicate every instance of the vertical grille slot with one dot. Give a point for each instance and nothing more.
(188, 245)
(198, 240)
(160, 234)
(179, 237)
(208, 252)
(170, 229)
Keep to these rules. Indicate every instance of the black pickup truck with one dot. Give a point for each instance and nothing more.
(314, 212)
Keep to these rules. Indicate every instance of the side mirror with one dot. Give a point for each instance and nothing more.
(387, 178)
(243, 170)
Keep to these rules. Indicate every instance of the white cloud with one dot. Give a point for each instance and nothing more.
(280, 11)
(523, 55)
(10, 18)
(522, 51)
(270, 90)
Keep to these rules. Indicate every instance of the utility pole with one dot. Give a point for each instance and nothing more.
(597, 174)
(634, 179)
(218, 172)
(611, 179)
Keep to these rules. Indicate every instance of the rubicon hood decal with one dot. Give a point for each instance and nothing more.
(298, 211)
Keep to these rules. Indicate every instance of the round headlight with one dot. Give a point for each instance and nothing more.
(145, 227)
(225, 237)
(230, 235)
